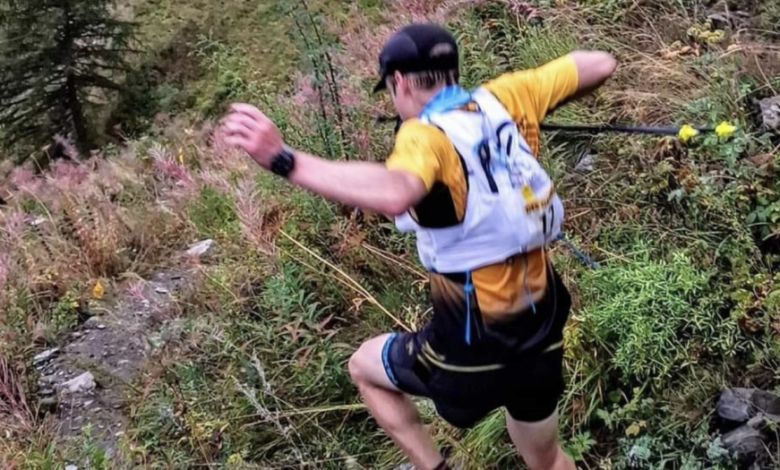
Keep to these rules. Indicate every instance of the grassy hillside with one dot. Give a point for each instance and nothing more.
(250, 371)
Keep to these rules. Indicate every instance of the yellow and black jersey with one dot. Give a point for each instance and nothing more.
(506, 289)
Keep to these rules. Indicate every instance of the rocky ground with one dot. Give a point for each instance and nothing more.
(85, 381)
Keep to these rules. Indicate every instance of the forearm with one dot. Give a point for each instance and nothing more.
(369, 186)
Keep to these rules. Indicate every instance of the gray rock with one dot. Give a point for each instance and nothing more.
(83, 383)
(745, 442)
(765, 402)
(586, 164)
(200, 248)
(770, 112)
(92, 322)
(734, 404)
(46, 356)
(71, 467)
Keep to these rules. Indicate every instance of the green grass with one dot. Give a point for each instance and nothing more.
(253, 371)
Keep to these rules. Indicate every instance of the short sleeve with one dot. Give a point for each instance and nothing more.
(532, 94)
(418, 149)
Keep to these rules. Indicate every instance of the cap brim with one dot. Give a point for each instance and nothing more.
(381, 86)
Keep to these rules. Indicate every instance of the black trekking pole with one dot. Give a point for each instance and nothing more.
(684, 133)
(621, 128)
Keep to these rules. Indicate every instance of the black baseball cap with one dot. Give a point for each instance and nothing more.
(418, 48)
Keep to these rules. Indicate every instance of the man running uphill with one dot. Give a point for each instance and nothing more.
(463, 176)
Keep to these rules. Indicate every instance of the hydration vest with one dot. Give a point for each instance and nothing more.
(511, 207)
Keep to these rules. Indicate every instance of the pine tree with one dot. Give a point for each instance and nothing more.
(58, 58)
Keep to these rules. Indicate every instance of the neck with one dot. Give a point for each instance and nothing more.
(424, 97)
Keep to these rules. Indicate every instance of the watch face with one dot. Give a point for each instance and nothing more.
(283, 164)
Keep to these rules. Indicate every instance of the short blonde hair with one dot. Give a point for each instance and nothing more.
(429, 79)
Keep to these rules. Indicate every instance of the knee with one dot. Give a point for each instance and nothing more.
(356, 367)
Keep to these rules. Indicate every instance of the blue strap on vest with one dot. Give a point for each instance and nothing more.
(451, 97)
(468, 289)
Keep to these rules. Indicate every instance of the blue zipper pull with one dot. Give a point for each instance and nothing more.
(468, 289)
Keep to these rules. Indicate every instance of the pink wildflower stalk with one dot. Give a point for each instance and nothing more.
(251, 216)
(170, 169)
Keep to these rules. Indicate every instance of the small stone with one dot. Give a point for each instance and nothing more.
(92, 322)
(745, 442)
(162, 290)
(734, 404)
(45, 392)
(200, 248)
(587, 163)
(83, 383)
(45, 356)
(770, 112)
(88, 403)
(765, 402)
(101, 327)
(77, 334)
(71, 467)
(37, 221)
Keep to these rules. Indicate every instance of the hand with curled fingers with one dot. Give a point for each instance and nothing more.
(247, 128)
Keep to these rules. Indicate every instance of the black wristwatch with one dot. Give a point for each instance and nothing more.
(284, 163)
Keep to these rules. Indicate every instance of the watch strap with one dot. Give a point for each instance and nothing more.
(284, 163)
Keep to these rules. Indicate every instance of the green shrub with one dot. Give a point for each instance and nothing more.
(214, 214)
(655, 316)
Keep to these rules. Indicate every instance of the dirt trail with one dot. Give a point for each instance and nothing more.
(87, 379)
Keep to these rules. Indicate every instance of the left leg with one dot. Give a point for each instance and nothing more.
(538, 444)
(392, 409)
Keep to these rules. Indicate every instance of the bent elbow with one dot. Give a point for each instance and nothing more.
(607, 65)
(396, 208)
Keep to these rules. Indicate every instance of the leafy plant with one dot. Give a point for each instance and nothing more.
(647, 312)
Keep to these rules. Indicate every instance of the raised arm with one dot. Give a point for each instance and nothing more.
(366, 185)
(532, 94)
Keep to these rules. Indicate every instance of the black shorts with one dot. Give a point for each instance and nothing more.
(528, 384)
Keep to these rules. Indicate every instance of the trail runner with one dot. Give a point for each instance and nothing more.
(464, 177)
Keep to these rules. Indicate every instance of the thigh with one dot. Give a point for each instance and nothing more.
(534, 440)
(536, 387)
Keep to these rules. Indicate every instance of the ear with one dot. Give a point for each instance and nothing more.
(401, 84)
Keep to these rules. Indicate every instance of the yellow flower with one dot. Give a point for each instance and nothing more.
(235, 459)
(181, 156)
(98, 291)
(635, 428)
(725, 130)
(687, 133)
